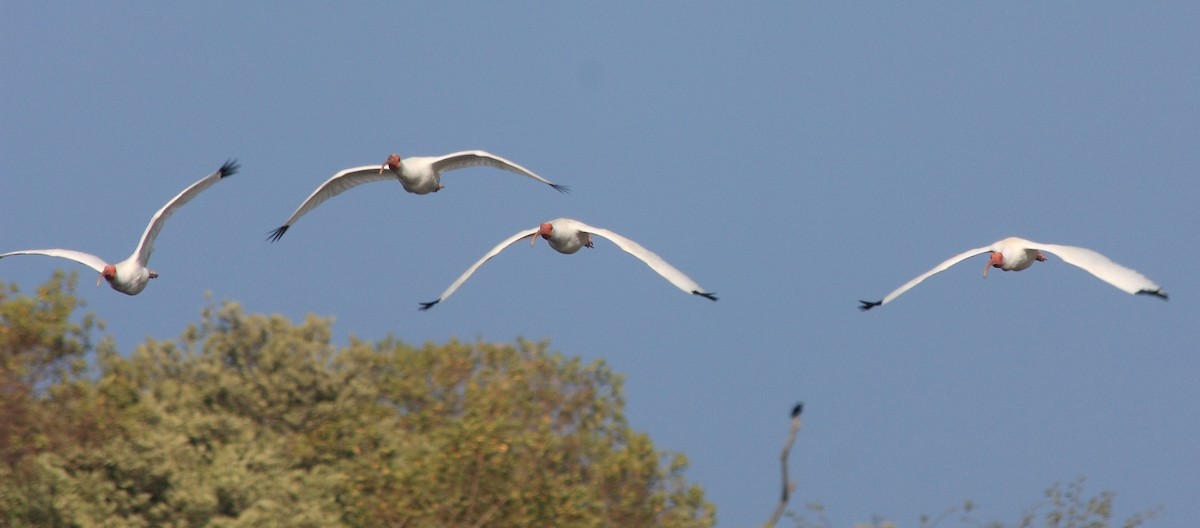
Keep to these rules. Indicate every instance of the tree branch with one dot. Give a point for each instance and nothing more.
(788, 487)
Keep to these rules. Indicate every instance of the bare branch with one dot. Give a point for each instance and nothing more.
(788, 486)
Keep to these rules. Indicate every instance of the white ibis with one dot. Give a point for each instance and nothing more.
(131, 275)
(567, 236)
(418, 175)
(1016, 254)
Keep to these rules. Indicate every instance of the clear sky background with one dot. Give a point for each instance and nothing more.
(791, 157)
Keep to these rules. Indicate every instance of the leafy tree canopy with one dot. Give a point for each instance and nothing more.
(253, 420)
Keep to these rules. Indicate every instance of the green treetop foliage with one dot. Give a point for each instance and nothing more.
(38, 342)
(252, 420)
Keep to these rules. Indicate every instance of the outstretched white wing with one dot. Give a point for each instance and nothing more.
(867, 305)
(467, 274)
(651, 259)
(146, 245)
(338, 184)
(1103, 268)
(86, 259)
(475, 158)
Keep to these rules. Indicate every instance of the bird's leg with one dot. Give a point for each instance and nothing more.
(1041, 257)
(153, 274)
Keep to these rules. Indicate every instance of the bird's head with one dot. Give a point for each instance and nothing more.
(109, 273)
(545, 231)
(996, 261)
(392, 164)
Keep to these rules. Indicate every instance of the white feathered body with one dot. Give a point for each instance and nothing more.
(131, 277)
(418, 176)
(568, 236)
(1016, 253)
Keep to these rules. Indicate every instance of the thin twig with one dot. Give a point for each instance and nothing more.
(788, 486)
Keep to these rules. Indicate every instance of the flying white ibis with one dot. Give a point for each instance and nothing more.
(566, 236)
(418, 175)
(1016, 254)
(131, 275)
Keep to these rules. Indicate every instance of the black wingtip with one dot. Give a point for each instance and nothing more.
(561, 188)
(867, 305)
(229, 168)
(277, 234)
(712, 296)
(1157, 293)
(428, 305)
(797, 409)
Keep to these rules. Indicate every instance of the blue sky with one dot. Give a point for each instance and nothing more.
(792, 158)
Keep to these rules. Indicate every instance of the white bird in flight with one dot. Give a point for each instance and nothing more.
(1016, 254)
(131, 275)
(567, 236)
(418, 175)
